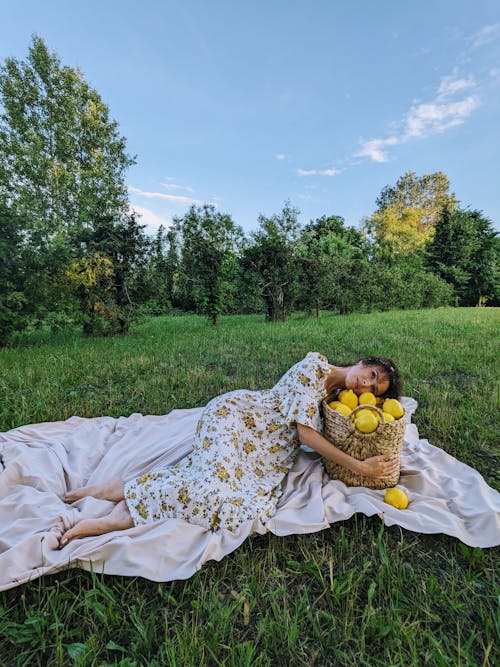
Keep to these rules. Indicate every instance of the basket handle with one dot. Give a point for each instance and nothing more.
(372, 407)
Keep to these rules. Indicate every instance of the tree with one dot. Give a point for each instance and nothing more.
(62, 168)
(272, 259)
(210, 241)
(13, 272)
(62, 159)
(327, 251)
(407, 212)
(117, 250)
(465, 253)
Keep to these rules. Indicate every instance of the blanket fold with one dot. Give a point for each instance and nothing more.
(39, 462)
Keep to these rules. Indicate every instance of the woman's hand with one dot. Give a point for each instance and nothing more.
(378, 466)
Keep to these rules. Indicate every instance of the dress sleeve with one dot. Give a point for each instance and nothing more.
(301, 390)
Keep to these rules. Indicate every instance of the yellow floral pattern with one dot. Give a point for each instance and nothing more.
(245, 443)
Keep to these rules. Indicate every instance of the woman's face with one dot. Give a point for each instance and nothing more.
(362, 378)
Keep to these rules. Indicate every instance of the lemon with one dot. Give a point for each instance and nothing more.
(367, 398)
(366, 421)
(343, 409)
(388, 417)
(349, 398)
(393, 407)
(334, 404)
(397, 498)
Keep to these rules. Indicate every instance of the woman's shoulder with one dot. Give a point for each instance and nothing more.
(318, 355)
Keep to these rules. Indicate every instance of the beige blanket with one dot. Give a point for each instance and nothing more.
(38, 463)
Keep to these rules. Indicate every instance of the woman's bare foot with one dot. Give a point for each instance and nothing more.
(112, 489)
(118, 519)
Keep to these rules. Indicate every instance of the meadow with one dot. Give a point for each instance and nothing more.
(358, 593)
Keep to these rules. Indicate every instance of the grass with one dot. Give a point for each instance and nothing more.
(357, 593)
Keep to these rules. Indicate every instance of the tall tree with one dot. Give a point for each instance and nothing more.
(272, 258)
(62, 159)
(13, 273)
(328, 251)
(465, 251)
(62, 167)
(407, 212)
(210, 241)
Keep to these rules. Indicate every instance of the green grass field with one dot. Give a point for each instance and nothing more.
(356, 594)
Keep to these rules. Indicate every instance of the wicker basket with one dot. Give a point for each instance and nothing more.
(387, 439)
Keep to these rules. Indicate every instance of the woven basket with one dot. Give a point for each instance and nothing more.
(340, 430)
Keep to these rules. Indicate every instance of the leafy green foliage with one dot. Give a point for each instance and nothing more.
(62, 160)
(465, 252)
(271, 258)
(332, 258)
(208, 267)
(407, 212)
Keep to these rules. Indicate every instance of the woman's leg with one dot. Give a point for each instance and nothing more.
(118, 519)
(112, 489)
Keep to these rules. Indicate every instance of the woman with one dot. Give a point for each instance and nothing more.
(245, 444)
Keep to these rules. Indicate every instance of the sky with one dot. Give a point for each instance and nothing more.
(320, 103)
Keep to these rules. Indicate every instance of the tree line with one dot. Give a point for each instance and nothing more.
(71, 250)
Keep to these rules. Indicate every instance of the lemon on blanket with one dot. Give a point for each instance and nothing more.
(393, 407)
(397, 498)
(367, 398)
(343, 409)
(349, 398)
(366, 421)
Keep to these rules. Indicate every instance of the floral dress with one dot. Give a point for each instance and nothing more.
(245, 443)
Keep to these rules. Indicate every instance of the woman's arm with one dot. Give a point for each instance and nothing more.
(375, 466)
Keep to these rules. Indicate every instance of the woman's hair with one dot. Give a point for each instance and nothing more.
(388, 368)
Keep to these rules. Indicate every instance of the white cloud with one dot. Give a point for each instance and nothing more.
(375, 149)
(495, 74)
(318, 172)
(486, 35)
(150, 219)
(173, 186)
(280, 156)
(427, 118)
(181, 199)
(451, 85)
(431, 118)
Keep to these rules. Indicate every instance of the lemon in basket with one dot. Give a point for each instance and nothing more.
(343, 409)
(366, 421)
(349, 398)
(393, 407)
(397, 498)
(367, 398)
(388, 417)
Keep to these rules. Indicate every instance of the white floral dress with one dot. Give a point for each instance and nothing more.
(246, 442)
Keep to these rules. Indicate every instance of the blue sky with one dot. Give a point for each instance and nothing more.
(248, 104)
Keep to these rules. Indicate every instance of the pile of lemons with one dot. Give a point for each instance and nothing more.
(366, 420)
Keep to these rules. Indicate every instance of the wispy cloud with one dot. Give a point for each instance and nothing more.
(173, 186)
(319, 172)
(427, 118)
(486, 35)
(280, 156)
(181, 199)
(150, 219)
